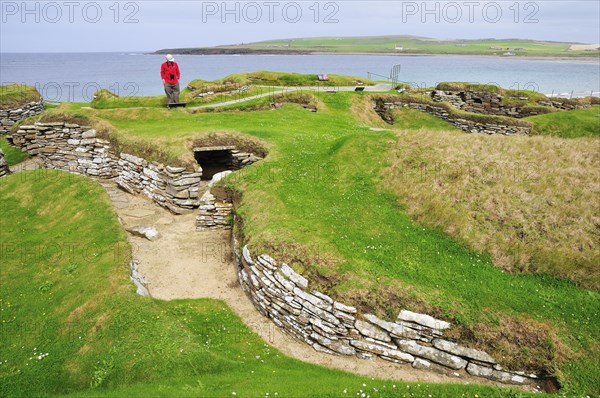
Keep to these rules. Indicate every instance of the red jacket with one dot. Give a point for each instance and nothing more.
(170, 68)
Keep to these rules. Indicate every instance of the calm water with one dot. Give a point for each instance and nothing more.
(76, 76)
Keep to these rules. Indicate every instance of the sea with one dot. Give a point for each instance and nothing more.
(75, 77)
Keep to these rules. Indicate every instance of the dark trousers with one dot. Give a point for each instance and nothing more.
(172, 91)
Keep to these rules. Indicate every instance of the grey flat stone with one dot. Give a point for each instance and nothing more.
(382, 350)
(344, 308)
(497, 375)
(149, 233)
(456, 349)
(423, 319)
(295, 277)
(369, 330)
(432, 354)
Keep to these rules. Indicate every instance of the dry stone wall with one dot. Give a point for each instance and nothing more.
(9, 117)
(216, 207)
(284, 296)
(4, 170)
(171, 187)
(491, 103)
(67, 146)
(214, 213)
(469, 126)
(76, 148)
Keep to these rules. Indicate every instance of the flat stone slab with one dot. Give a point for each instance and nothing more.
(120, 204)
(489, 373)
(431, 354)
(213, 148)
(370, 330)
(422, 319)
(456, 349)
(139, 213)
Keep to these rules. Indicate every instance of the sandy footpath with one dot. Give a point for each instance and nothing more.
(184, 263)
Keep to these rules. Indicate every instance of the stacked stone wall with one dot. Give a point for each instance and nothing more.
(10, 117)
(284, 296)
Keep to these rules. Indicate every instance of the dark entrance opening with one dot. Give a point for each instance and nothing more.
(214, 160)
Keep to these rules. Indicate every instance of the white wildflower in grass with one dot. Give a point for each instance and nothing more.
(233, 393)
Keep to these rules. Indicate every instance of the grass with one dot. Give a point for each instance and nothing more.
(462, 86)
(569, 124)
(268, 78)
(72, 324)
(387, 45)
(300, 205)
(14, 95)
(224, 89)
(508, 198)
(326, 199)
(104, 99)
(12, 155)
(412, 119)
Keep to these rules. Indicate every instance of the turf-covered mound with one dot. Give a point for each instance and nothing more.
(269, 78)
(14, 95)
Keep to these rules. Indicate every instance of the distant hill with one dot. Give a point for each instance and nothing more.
(402, 44)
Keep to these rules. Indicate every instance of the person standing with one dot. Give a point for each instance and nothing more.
(169, 71)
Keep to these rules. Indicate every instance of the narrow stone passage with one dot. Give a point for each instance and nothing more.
(186, 264)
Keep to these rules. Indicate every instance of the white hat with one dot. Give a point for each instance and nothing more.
(170, 58)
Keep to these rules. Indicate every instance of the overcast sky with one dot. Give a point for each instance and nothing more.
(95, 26)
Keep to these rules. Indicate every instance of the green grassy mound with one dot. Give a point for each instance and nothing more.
(72, 324)
(295, 79)
(14, 95)
(568, 124)
(233, 87)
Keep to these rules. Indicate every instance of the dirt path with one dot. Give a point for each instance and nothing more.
(185, 263)
(381, 87)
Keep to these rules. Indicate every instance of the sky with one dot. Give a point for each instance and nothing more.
(103, 26)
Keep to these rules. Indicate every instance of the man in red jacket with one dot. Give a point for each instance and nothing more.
(169, 71)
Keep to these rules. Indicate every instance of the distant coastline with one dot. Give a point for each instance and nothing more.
(236, 51)
(403, 45)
